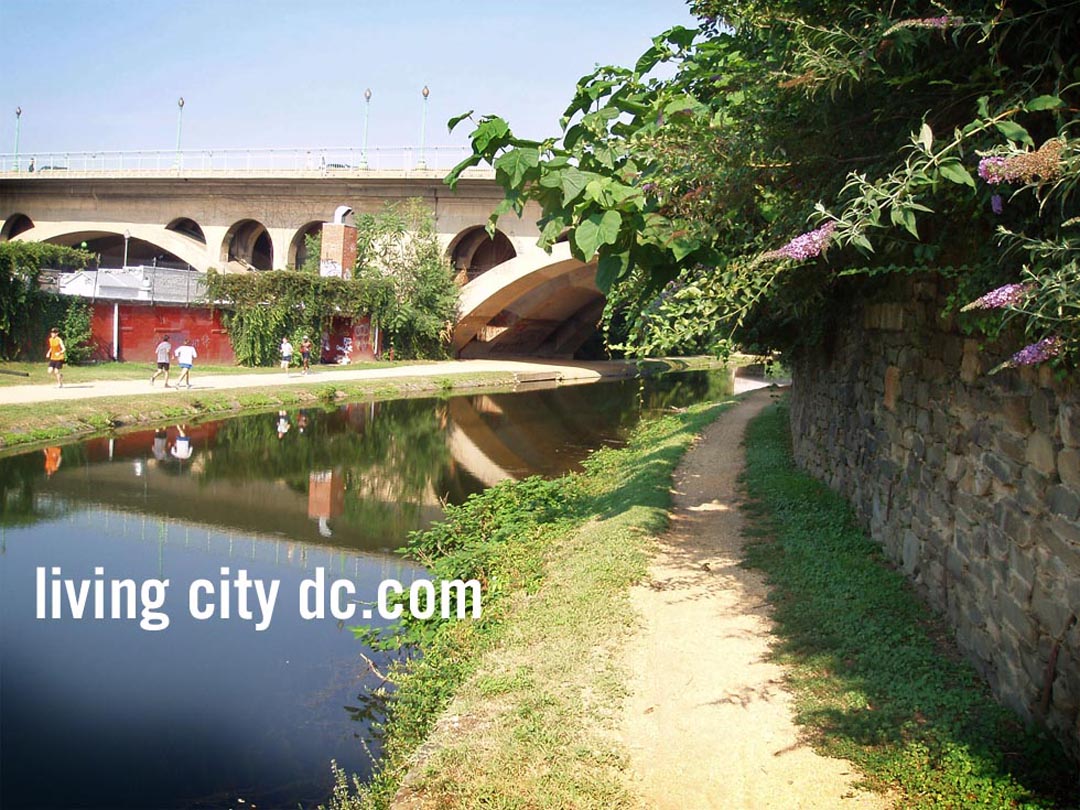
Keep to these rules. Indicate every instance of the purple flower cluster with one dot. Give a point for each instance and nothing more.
(804, 246)
(997, 205)
(992, 169)
(1007, 296)
(926, 22)
(1037, 352)
(1025, 166)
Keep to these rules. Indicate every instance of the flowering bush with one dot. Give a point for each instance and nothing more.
(909, 141)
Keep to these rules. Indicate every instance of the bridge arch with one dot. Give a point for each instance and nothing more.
(298, 244)
(14, 225)
(528, 306)
(188, 227)
(147, 242)
(473, 252)
(247, 246)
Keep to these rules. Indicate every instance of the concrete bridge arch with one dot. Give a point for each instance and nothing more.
(547, 305)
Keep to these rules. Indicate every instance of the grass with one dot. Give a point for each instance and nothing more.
(534, 689)
(11, 372)
(876, 676)
(23, 426)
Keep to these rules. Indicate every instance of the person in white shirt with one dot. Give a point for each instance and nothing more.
(181, 449)
(286, 354)
(185, 356)
(164, 354)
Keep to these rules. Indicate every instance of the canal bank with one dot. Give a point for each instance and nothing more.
(37, 414)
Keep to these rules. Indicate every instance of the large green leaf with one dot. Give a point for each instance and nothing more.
(1014, 132)
(610, 268)
(1045, 103)
(597, 230)
(515, 163)
(573, 183)
(490, 130)
(952, 169)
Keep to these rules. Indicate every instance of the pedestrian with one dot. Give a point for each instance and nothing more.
(30, 168)
(53, 457)
(164, 354)
(286, 354)
(181, 449)
(185, 356)
(305, 354)
(56, 355)
(160, 443)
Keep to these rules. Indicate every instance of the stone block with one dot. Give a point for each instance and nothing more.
(1016, 414)
(1050, 610)
(910, 553)
(1064, 502)
(1043, 412)
(1011, 447)
(1040, 453)
(1004, 469)
(1013, 521)
(1069, 424)
(1068, 468)
(955, 467)
(971, 363)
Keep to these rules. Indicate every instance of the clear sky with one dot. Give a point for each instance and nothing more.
(95, 75)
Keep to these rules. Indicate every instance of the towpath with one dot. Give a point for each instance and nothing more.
(525, 371)
(708, 723)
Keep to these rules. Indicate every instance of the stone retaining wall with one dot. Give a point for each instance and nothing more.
(970, 482)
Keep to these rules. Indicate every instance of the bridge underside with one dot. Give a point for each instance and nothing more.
(518, 310)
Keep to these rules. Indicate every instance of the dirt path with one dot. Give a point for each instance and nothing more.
(568, 371)
(708, 723)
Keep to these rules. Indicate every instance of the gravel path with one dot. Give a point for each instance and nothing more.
(708, 723)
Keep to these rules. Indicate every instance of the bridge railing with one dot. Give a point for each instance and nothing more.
(313, 161)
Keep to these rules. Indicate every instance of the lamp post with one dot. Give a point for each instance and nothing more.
(367, 112)
(18, 118)
(127, 238)
(179, 128)
(420, 164)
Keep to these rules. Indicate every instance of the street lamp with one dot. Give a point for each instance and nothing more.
(367, 111)
(18, 117)
(420, 164)
(179, 128)
(127, 238)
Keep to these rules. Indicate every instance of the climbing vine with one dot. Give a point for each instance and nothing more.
(27, 312)
(401, 281)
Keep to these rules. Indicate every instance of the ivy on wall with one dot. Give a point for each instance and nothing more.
(401, 281)
(27, 312)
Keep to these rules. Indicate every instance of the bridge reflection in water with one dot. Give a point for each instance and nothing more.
(206, 713)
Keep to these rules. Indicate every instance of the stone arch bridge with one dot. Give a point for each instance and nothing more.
(516, 299)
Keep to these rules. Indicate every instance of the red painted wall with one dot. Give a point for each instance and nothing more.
(142, 326)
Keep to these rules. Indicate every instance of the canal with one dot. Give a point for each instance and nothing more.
(149, 700)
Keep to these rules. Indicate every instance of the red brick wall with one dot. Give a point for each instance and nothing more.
(142, 327)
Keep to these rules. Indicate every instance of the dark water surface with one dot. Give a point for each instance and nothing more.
(102, 713)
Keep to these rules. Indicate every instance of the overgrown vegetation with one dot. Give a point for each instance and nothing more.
(912, 136)
(401, 281)
(27, 312)
(875, 675)
(556, 559)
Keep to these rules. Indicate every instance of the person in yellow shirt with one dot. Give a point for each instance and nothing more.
(56, 356)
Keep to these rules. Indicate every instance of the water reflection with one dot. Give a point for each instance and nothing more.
(208, 712)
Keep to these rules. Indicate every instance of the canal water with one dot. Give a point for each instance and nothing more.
(213, 711)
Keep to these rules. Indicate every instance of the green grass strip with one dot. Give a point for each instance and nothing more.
(538, 681)
(875, 674)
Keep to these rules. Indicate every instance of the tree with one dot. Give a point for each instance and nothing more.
(691, 191)
(26, 311)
